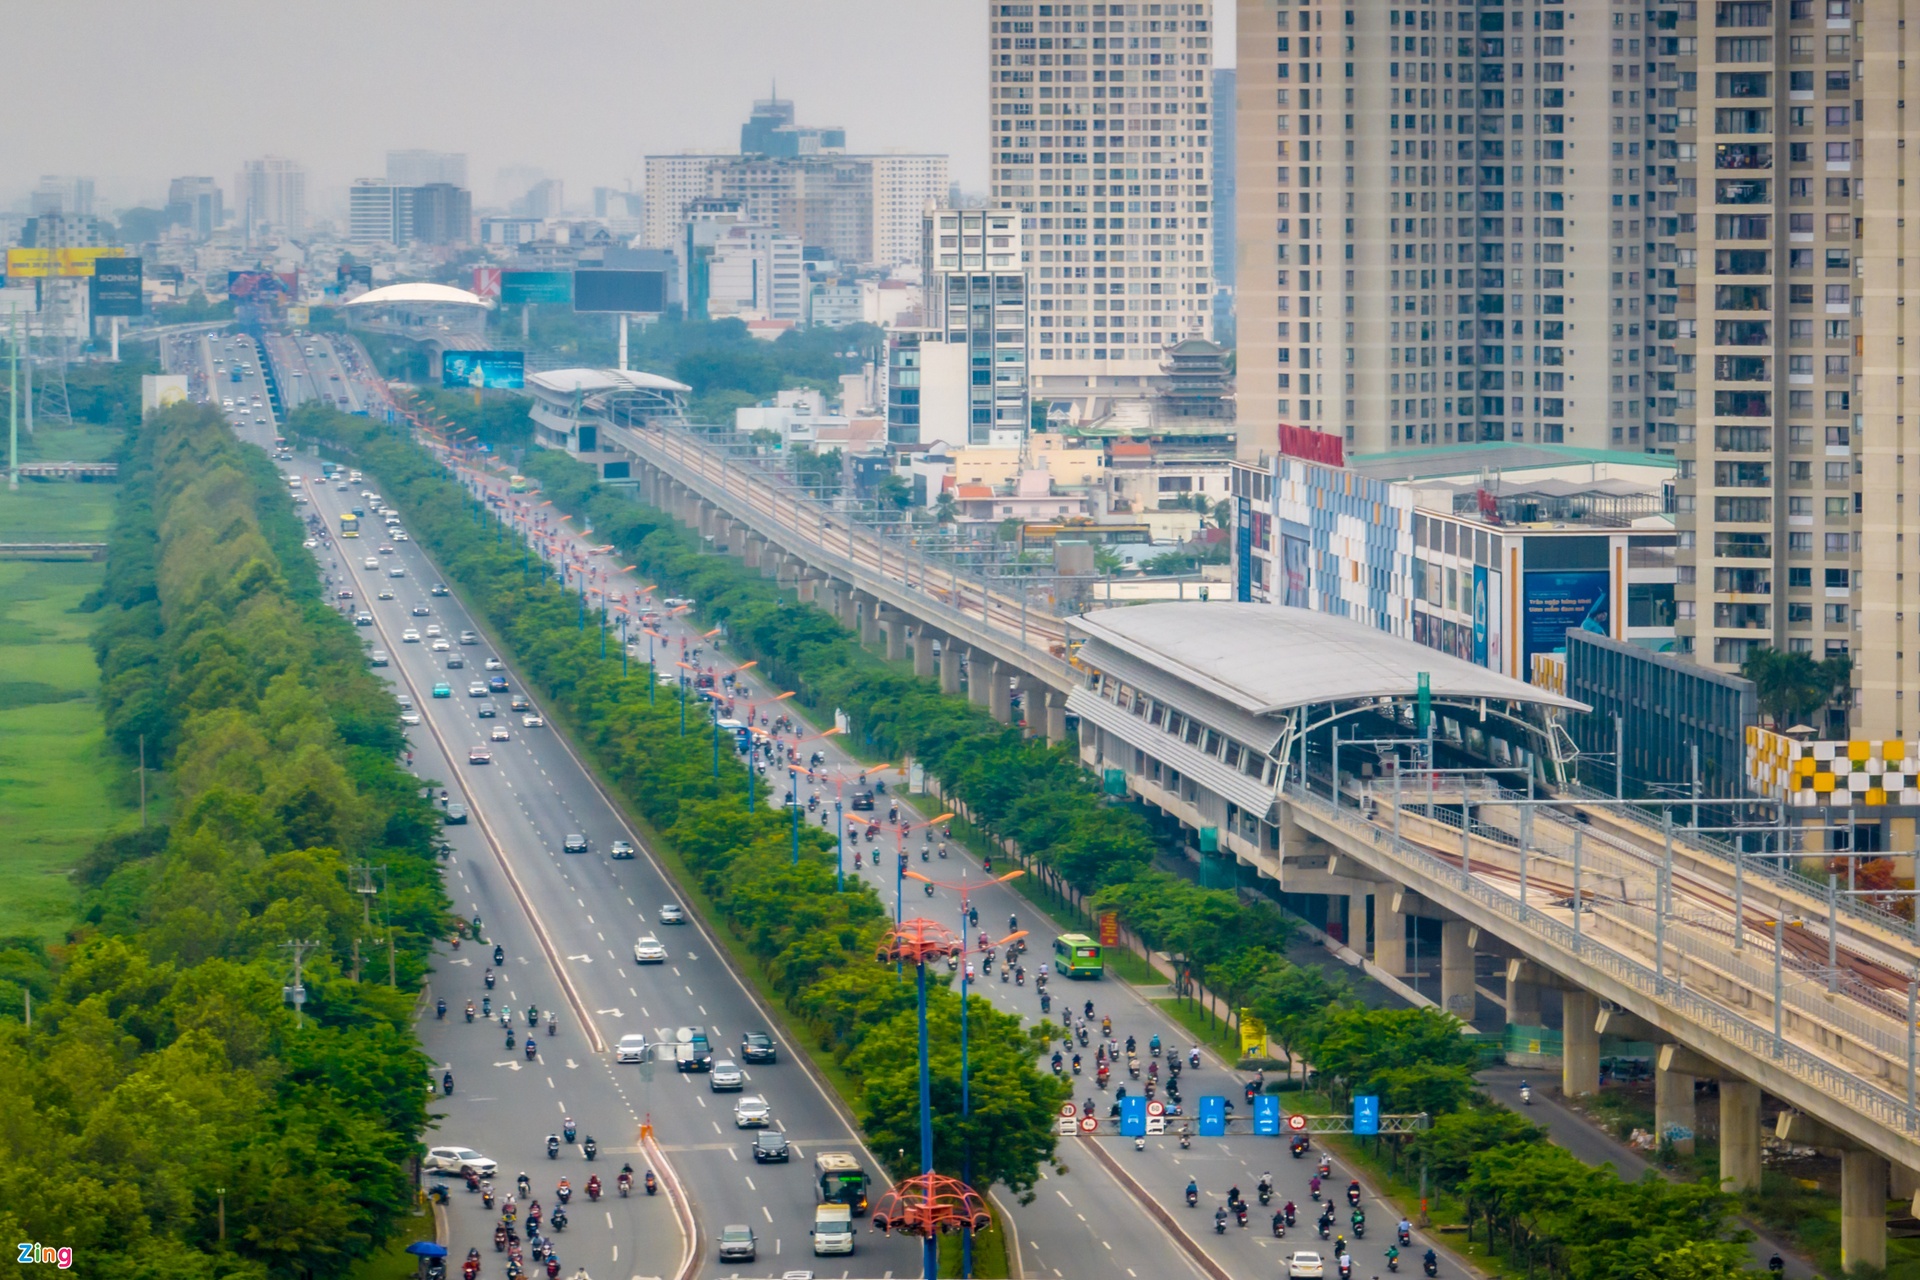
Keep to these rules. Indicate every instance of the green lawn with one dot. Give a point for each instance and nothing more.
(51, 442)
(60, 789)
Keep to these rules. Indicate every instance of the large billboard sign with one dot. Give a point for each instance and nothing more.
(506, 370)
(1314, 446)
(518, 287)
(1556, 601)
(486, 282)
(634, 292)
(263, 288)
(114, 289)
(34, 264)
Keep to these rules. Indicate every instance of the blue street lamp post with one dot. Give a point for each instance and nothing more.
(793, 794)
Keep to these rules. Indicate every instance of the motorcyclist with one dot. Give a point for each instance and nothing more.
(1430, 1263)
(589, 1148)
(1193, 1192)
(1266, 1187)
(440, 1009)
(446, 1083)
(1393, 1256)
(1153, 1046)
(1220, 1222)
(1403, 1230)
(488, 976)
(593, 1186)
(553, 1146)
(469, 1011)
(568, 1128)
(1289, 1210)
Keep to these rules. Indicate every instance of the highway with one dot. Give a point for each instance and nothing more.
(1085, 1222)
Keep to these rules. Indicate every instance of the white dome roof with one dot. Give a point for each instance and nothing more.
(416, 292)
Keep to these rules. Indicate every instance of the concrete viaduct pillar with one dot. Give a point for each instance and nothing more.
(896, 625)
(1676, 1071)
(979, 678)
(1580, 1044)
(869, 613)
(1524, 981)
(1389, 929)
(1456, 969)
(999, 696)
(1357, 917)
(949, 666)
(1739, 1136)
(1863, 1190)
(1056, 716)
(753, 550)
(923, 655)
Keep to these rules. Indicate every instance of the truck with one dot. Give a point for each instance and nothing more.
(842, 1181)
(832, 1230)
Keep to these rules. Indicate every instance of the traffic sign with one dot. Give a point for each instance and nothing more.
(1156, 1108)
(1069, 1110)
(1156, 1125)
(1089, 1124)
(1266, 1115)
(1297, 1123)
(1366, 1114)
(1068, 1126)
(1213, 1117)
(1133, 1117)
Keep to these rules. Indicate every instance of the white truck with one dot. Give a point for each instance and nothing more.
(832, 1229)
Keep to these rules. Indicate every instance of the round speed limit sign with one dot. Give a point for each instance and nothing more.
(1089, 1124)
(1297, 1123)
(1068, 1110)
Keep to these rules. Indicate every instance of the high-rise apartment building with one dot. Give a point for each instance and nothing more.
(196, 204)
(1442, 217)
(1781, 175)
(416, 168)
(1100, 139)
(379, 212)
(756, 273)
(903, 186)
(270, 196)
(57, 193)
(1225, 188)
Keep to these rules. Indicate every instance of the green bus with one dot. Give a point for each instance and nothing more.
(1075, 955)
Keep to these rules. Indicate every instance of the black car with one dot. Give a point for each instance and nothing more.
(770, 1146)
(497, 683)
(420, 611)
(439, 589)
(573, 843)
(456, 814)
(757, 1046)
(863, 800)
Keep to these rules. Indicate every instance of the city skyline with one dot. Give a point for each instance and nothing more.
(686, 86)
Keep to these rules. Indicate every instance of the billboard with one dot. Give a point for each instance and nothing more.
(33, 264)
(623, 291)
(500, 369)
(263, 287)
(1556, 601)
(348, 274)
(114, 288)
(517, 287)
(1313, 446)
(1480, 614)
(158, 390)
(1295, 560)
(486, 282)
(299, 317)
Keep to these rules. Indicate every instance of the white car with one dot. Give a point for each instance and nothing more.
(409, 717)
(372, 562)
(649, 951)
(632, 1048)
(1305, 1263)
(441, 646)
(499, 733)
(410, 636)
(531, 721)
(494, 664)
(386, 593)
(752, 1112)
(396, 572)
(433, 628)
(459, 1160)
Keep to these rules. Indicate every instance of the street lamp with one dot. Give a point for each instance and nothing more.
(928, 1204)
(900, 859)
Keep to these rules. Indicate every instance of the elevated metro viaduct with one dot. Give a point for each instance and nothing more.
(1234, 720)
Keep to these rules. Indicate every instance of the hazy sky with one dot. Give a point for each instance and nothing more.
(582, 89)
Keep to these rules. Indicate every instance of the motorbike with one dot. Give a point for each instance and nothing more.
(1405, 1236)
(1133, 1067)
(1153, 1046)
(1046, 1003)
(1313, 1187)
(469, 1011)
(1359, 1228)
(524, 1184)
(569, 1131)
(1220, 1222)
(446, 1084)
(1240, 1212)
(1193, 1058)
(553, 1024)
(509, 1037)
(929, 889)
(1289, 1211)
(625, 1184)
(1353, 1194)
(1297, 1147)
(488, 976)
(499, 954)
(532, 1049)
(1279, 1226)
(1100, 1077)
(499, 1239)
(1019, 977)
(1526, 1095)
(1430, 1264)
(1193, 1197)
(473, 1180)
(553, 1148)
(588, 1149)
(1266, 1194)
(1186, 1139)
(1326, 1228)
(486, 1196)
(486, 1007)
(593, 1188)
(440, 1010)
(564, 1192)
(553, 1267)
(652, 1186)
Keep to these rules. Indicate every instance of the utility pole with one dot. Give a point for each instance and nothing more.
(297, 993)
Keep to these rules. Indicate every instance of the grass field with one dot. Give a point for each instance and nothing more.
(59, 792)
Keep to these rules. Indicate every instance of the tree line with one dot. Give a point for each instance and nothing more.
(165, 1114)
(815, 946)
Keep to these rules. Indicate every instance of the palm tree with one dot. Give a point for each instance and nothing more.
(1790, 687)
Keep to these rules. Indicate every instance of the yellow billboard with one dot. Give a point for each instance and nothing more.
(1253, 1035)
(298, 316)
(40, 263)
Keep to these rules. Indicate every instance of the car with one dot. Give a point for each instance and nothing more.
(455, 662)
(649, 951)
(573, 842)
(479, 755)
(752, 1112)
(397, 571)
(520, 703)
(737, 1243)
(770, 1147)
(404, 699)
(758, 1046)
(385, 549)
(494, 664)
(363, 619)
(476, 690)
(497, 684)
(399, 535)
(670, 913)
(619, 850)
(378, 658)
(459, 1160)
(1305, 1262)
(531, 721)
(371, 562)
(439, 589)
(386, 593)
(440, 645)
(433, 629)
(343, 594)
(691, 1057)
(468, 637)
(632, 1048)
(410, 636)
(726, 1077)
(410, 717)
(442, 690)
(311, 543)
(674, 602)
(420, 611)
(486, 711)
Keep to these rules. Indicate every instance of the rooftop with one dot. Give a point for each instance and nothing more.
(1268, 659)
(594, 381)
(418, 292)
(1468, 459)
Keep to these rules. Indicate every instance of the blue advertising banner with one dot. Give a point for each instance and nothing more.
(502, 369)
(1133, 1117)
(1213, 1117)
(1243, 549)
(1480, 614)
(1366, 1114)
(1555, 602)
(1266, 1115)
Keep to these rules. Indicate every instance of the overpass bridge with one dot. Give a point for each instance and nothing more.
(1743, 971)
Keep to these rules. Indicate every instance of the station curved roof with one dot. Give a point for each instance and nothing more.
(595, 381)
(417, 292)
(1269, 659)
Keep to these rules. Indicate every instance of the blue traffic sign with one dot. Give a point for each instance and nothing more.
(1213, 1117)
(1366, 1114)
(1266, 1115)
(1133, 1117)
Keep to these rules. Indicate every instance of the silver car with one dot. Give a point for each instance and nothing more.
(752, 1112)
(726, 1077)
